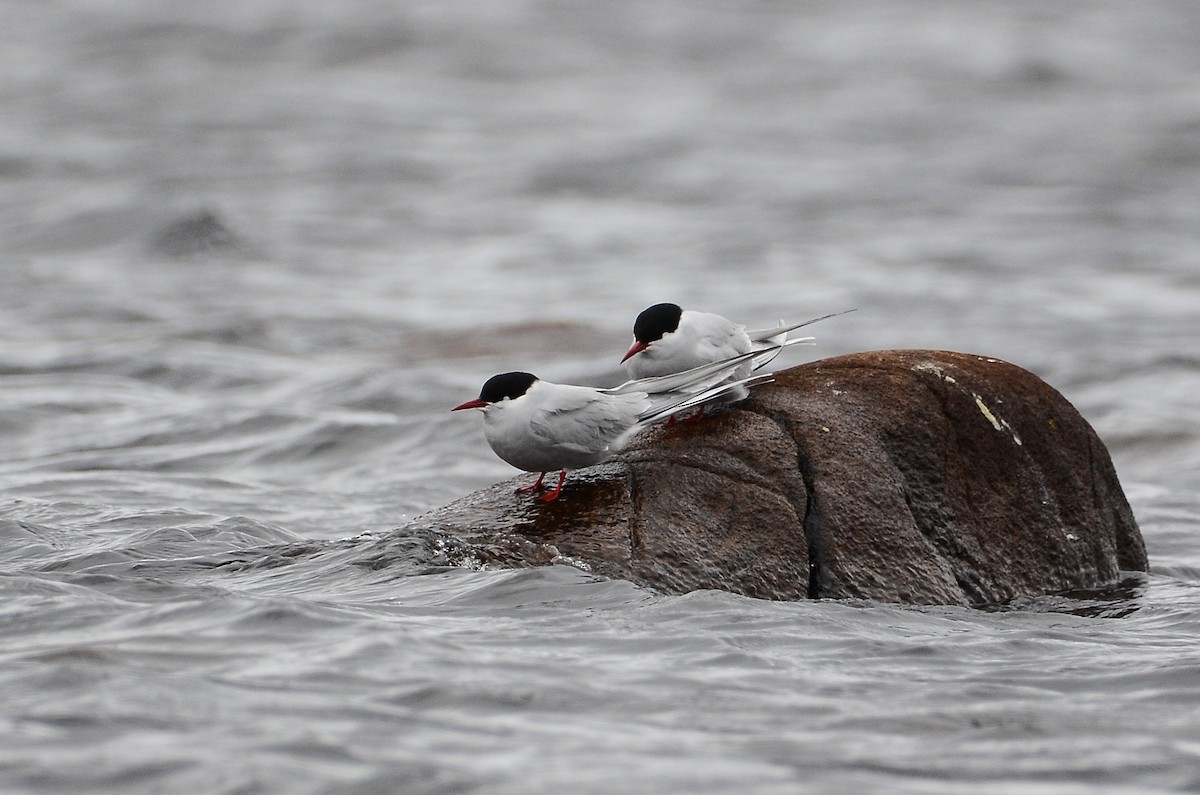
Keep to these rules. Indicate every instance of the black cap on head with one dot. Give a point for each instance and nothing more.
(506, 385)
(656, 321)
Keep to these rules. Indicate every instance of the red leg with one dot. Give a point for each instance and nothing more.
(553, 495)
(534, 487)
(699, 415)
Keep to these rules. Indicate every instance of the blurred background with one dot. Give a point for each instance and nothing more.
(416, 195)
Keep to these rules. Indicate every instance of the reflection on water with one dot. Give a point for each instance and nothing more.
(1114, 601)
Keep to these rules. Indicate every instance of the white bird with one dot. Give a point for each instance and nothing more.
(539, 426)
(669, 339)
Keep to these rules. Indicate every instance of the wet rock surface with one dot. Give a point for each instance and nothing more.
(926, 477)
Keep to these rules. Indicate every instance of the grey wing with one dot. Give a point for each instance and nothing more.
(768, 334)
(585, 426)
(766, 340)
(739, 389)
(703, 377)
(698, 377)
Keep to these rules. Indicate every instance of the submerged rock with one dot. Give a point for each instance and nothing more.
(196, 233)
(924, 477)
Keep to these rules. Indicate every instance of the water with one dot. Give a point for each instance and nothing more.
(206, 452)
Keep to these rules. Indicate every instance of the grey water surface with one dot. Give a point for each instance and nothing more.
(252, 253)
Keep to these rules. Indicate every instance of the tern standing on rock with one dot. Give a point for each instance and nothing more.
(539, 426)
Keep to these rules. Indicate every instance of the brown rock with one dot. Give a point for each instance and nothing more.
(904, 476)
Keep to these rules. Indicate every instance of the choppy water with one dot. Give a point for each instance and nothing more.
(204, 453)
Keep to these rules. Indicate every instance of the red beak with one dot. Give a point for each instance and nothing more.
(635, 348)
(470, 404)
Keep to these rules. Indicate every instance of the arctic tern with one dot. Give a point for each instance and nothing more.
(539, 426)
(669, 339)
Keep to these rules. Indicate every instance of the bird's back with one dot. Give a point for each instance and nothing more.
(562, 426)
